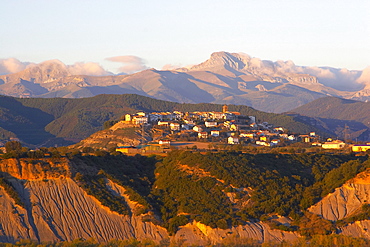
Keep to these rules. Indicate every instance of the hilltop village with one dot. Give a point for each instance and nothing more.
(224, 127)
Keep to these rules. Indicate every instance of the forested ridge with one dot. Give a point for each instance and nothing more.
(262, 184)
(220, 190)
(42, 120)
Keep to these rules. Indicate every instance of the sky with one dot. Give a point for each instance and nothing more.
(129, 36)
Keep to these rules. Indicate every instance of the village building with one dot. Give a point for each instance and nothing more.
(217, 115)
(163, 123)
(210, 124)
(279, 129)
(190, 122)
(234, 127)
(136, 119)
(215, 133)
(203, 134)
(318, 144)
(305, 138)
(360, 147)
(253, 125)
(197, 128)
(233, 140)
(139, 120)
(337, 144)
(275, 141)
(292, 138)
(248, 135)
(264, 138)
(127, 149)
(284, 135)
(164, 142)
(175, 126)
(262, 143)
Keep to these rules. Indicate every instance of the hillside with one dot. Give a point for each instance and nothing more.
(62, 121)
(190, 197)
(225, 78)
(336, 113)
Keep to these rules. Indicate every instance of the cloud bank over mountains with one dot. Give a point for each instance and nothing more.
(338, 78)
(13, 65)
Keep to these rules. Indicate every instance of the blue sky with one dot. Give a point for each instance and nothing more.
(332, 33)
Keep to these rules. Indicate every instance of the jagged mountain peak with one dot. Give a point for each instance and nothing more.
(222, 60)
(44, 72)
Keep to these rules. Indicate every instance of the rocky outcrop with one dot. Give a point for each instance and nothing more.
(30, 169)
(120, 134)
(200, 234)
(346, 199)
(59, 210)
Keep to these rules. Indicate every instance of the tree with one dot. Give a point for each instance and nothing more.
(13, 146)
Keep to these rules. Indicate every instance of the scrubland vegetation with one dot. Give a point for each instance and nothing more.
(317, 240)
(219, 189)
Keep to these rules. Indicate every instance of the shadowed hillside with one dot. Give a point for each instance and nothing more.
(347, 118)
(42, 121)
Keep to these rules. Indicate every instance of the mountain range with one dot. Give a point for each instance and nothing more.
(225, 78)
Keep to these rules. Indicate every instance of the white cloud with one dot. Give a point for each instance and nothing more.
(89, 68)
(365, 77)
(170, 67)
(340, 79)
(131, 64)
(11, 65)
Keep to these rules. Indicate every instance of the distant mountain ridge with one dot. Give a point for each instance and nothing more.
(231, 78)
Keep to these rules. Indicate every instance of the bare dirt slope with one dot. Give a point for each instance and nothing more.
(346, 201)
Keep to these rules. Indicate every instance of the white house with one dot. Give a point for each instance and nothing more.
(163, 123)
(174, 126)
(233, 140)
(202, 134)
(215, 133)
(197, 128)
(210, 124)
(164, 142)
(292, 138)
(275, 141)
(337, 144)
(139, 120)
